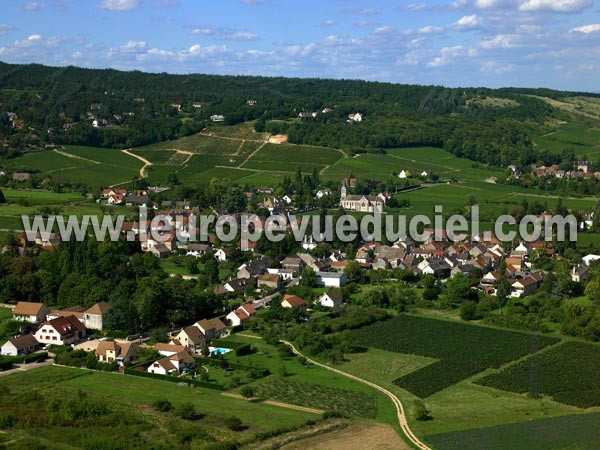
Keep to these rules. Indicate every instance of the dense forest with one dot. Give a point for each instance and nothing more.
(58, 104)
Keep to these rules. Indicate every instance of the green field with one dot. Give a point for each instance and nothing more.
(267, 356)
(132, 396)
(87, 165)
(580, 139)
(568, 373)
(579, 432)
(327, 398)
(462, 350)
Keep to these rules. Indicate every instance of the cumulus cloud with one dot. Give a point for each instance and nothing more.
(564, 6)
(430, 29)
(5, 29)
(447, 55)
(120, 5)
(587, 29)
(560, 6)
(467, 22)
(499, 41)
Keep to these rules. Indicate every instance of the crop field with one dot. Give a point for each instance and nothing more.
(241, 131)
(297, 154)
(462, 350)
(199, 143)
(327, 398)
(581, 140)
(99, 167)
(578, 431)
(568, 373)
(39, 197)
(155, 156)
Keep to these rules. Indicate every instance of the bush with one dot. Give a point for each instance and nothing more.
(186, 411)
(244, 350)
(421, 412)
(162, 405)
(247, 392)
(233, 423)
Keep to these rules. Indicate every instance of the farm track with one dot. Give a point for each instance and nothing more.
(72, 156)
(252, 154)
(147, 163)
(402, 421)
(280, 404)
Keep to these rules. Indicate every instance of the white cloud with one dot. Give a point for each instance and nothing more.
(238, 36)
(499, 41)
(447, 55)
(252, 2)
(587, 29)
(204, 30)
(564, 6)
(5, 29)
(120, 5)
(417, 7)
(467, 22)
(33, 6)
(430, 29)
(329, 22)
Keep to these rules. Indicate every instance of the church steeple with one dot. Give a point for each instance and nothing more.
(344, 190)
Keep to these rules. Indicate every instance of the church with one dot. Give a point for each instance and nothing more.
(361, 203)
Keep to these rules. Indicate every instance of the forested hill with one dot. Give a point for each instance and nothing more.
(493, 126)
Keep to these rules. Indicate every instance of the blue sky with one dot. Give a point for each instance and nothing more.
(550, 43)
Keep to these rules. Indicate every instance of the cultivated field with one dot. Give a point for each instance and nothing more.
(462, 350)
(579, 432)
(568, 373)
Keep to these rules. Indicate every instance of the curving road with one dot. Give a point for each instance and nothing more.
(397, 403)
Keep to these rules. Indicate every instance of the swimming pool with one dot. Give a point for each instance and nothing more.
(218, 350)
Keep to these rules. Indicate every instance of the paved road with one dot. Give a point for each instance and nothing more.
(26, 367)
(397, 403)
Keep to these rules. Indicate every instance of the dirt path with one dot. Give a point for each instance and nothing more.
(280, 404)
(147, 163)
(252, 154)
(397, 403)
(72, 156)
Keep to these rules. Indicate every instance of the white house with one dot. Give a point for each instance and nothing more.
(217, 118)
(286, 198)
(93, 317)
(404, 174)
(174, 364)
(355, 117)
(240, 315)
(588, 259)
(30, 312)
(61, 331)
(20, 345)
(331, 299)
(223, 254)
(331, 279)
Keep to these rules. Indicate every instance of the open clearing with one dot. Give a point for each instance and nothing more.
(357, 436)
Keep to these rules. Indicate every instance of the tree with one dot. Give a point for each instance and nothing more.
(247, 392)
(162, 405)
(468, 310)
(353, 271)
(2, 198)
(308, 277)
(186, 411)
(592, 290)
(421, 412)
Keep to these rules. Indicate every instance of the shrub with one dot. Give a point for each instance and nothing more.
(247, 392)
(162, 405)
(233, 423)
(186, 411)
(421, 412)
